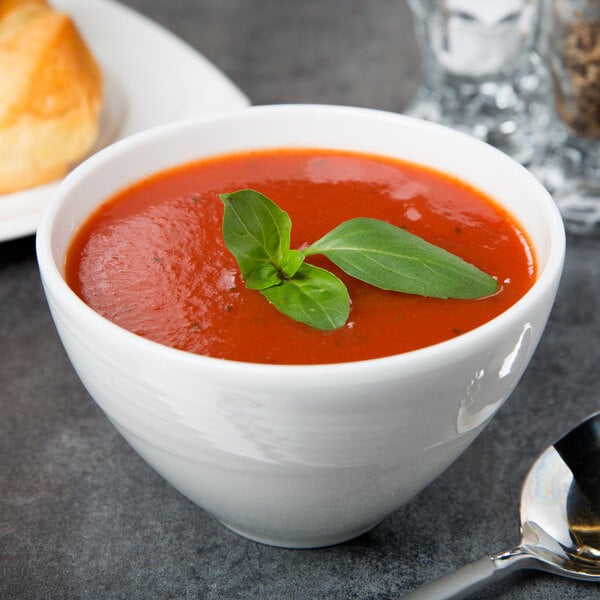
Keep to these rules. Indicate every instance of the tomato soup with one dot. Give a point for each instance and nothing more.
(152, 258)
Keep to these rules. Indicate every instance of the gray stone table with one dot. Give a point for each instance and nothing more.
(82, 516)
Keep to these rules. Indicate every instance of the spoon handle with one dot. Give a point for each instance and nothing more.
(471, 577)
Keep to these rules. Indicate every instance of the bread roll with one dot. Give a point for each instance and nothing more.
(50, 94)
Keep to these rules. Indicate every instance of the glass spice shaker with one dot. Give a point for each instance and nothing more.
(570, 166)
(480, 71)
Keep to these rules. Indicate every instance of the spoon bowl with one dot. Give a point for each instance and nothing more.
(560, 520)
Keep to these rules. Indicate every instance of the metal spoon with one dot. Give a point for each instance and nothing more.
(560, 520)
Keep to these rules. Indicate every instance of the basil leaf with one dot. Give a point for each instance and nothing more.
(291, 261)
(263, 276)
(394, 259)
(255, 230)
(313, 296)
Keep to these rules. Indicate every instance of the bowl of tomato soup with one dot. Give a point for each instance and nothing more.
(288, 434)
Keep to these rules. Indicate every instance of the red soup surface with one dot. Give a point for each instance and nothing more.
(152, 258)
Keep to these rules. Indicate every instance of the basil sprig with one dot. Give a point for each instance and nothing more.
(257, 232)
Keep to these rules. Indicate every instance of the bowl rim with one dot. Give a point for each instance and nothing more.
(302, 374)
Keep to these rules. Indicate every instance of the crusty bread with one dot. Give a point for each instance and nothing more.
(50, 94)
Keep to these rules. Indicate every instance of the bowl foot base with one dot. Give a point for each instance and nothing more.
(317, 542)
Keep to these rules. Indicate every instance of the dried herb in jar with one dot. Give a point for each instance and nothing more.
(577, 89)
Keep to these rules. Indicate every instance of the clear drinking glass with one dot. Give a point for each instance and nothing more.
(570, 165)
(481, 73)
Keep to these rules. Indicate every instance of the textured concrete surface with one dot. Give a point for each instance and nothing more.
(81, 516)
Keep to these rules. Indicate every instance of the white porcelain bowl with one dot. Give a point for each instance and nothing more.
(300, 456)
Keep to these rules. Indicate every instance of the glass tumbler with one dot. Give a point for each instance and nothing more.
(570, 165)
(480, 71)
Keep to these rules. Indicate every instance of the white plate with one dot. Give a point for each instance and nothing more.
(151, 77)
